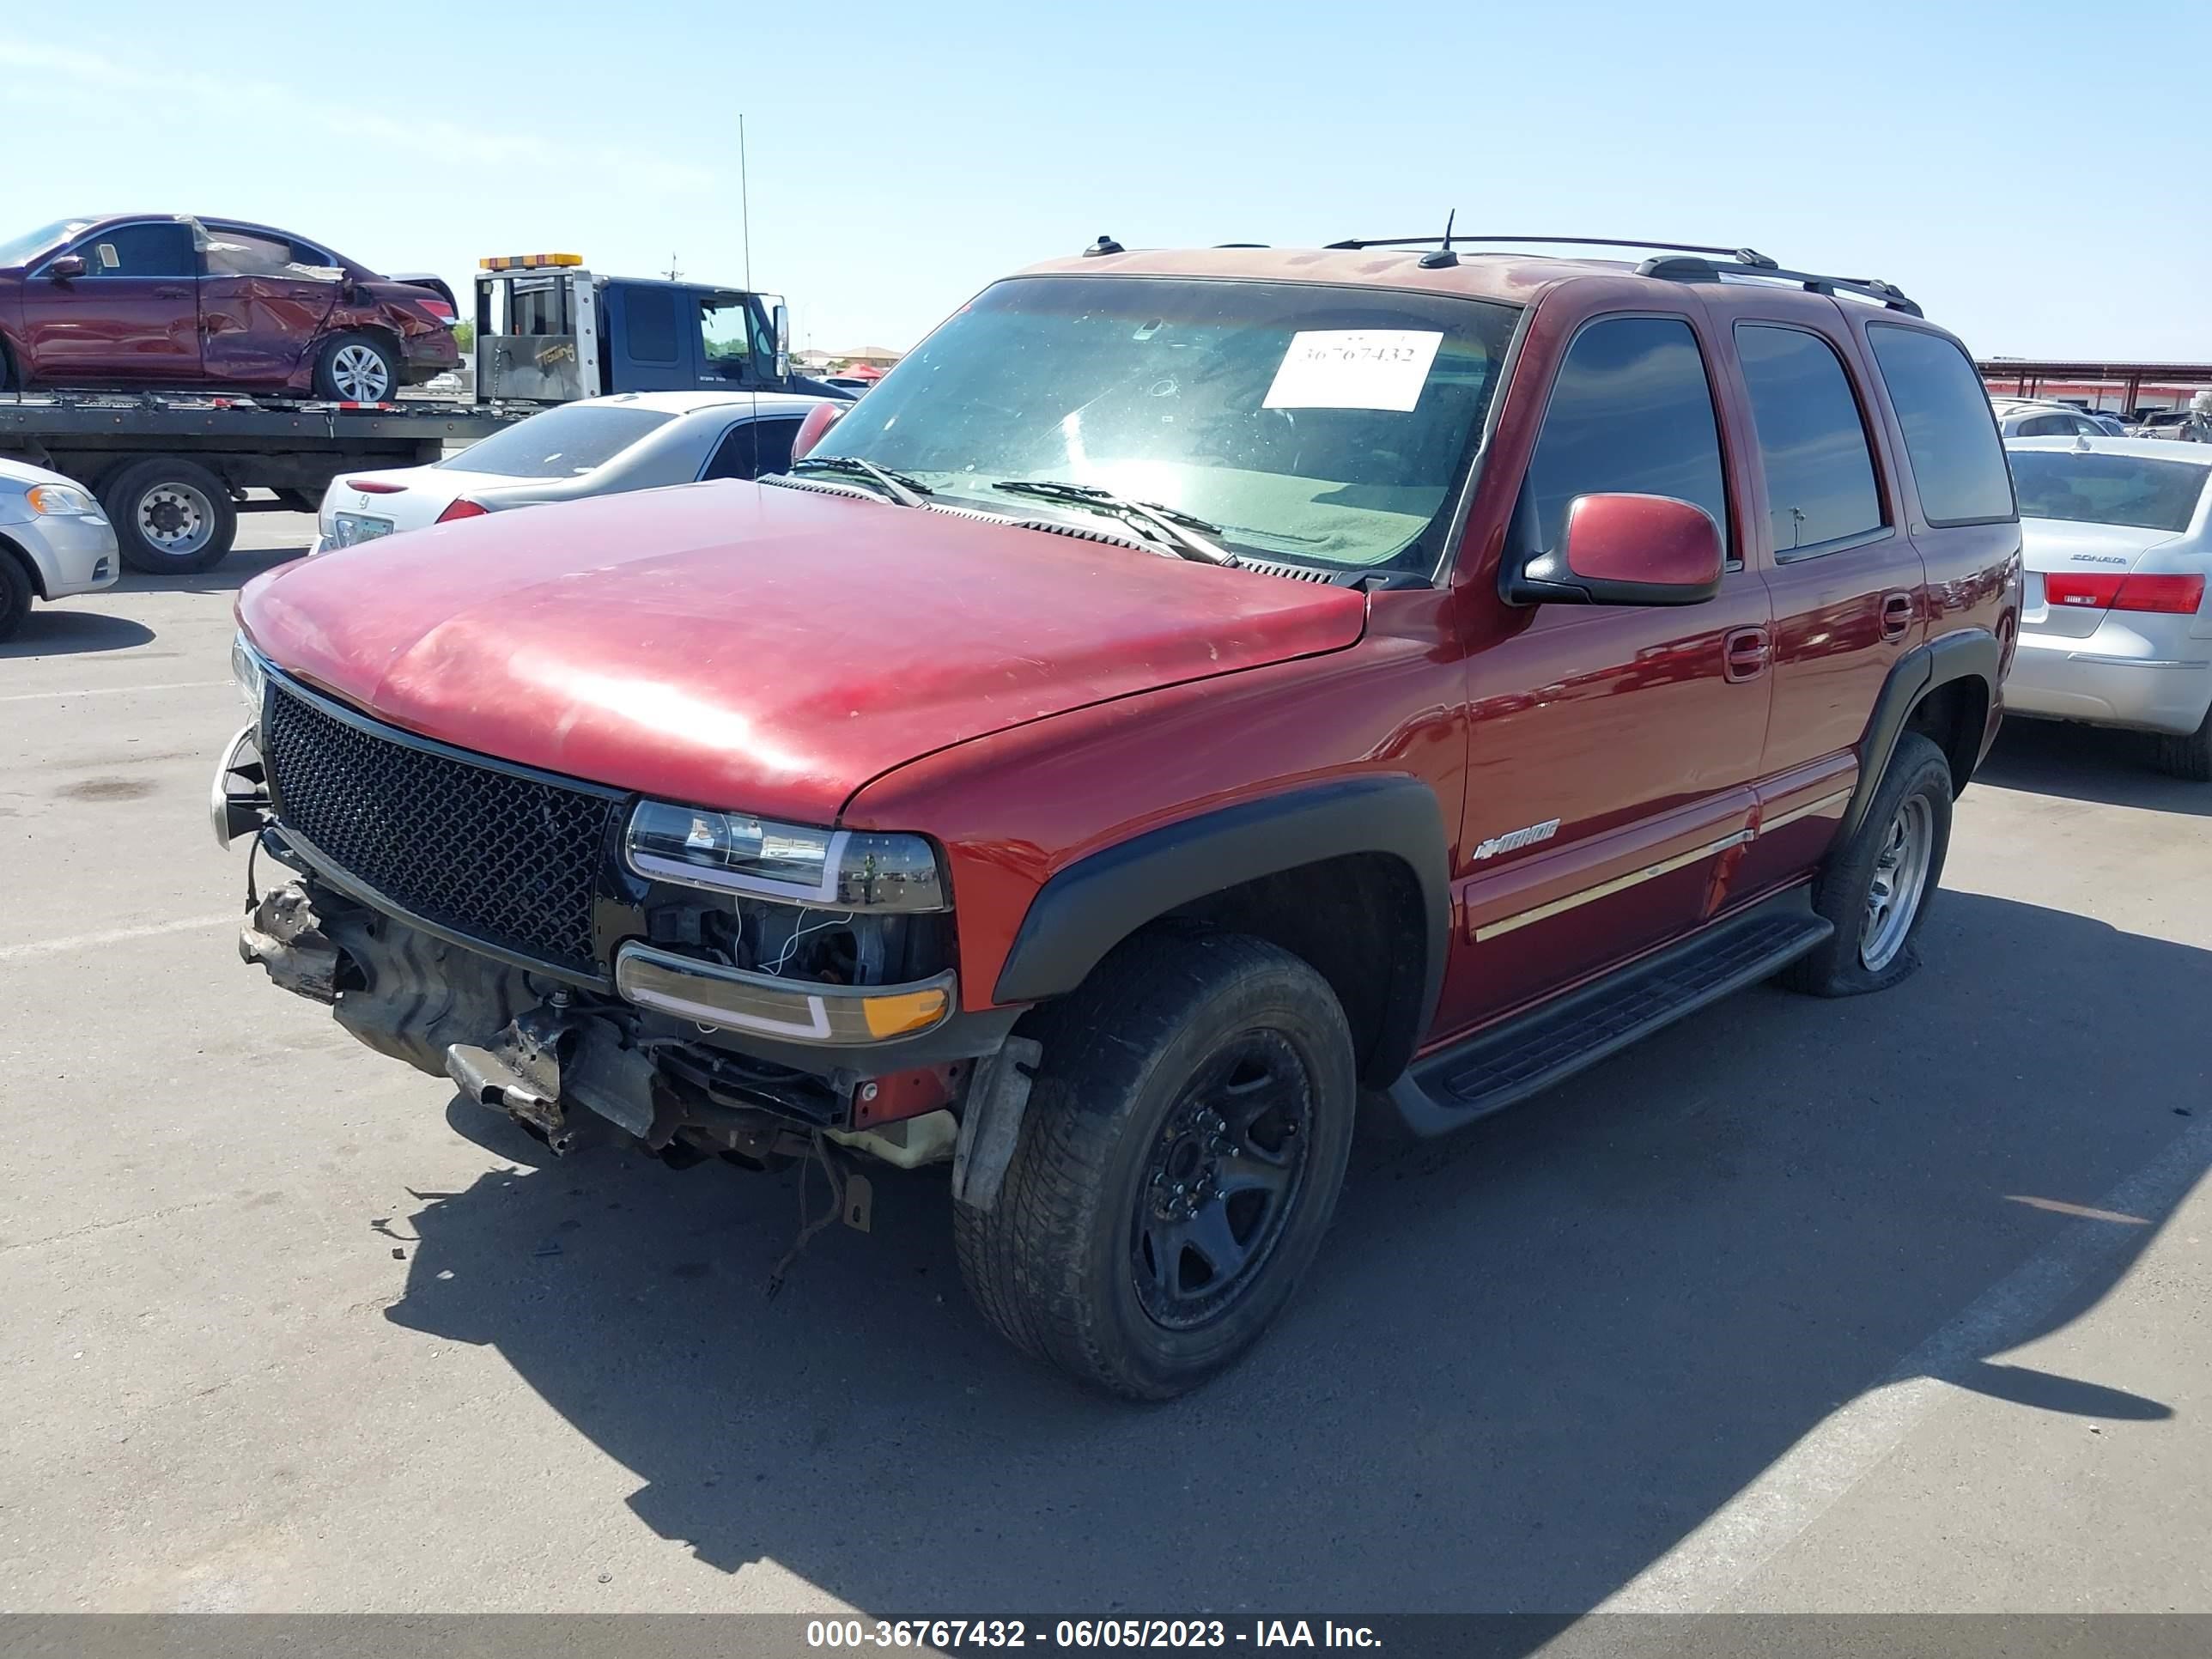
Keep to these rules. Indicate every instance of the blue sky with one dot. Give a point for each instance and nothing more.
(1991, 159)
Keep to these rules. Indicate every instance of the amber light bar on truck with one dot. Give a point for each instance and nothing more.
(528, 261)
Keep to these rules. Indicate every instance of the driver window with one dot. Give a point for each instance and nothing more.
(1631, 411)
(725, 329)
(149, 250)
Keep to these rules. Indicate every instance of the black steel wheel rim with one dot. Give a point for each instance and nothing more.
(1220, 1180)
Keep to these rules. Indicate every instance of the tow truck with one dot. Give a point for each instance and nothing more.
(173, 468)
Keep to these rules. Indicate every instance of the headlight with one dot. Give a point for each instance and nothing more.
(62, 501)
(837, 869)
(245, 669)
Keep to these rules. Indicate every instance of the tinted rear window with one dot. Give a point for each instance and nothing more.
(560, 443)
(1812, 444)
(2086, 487)
(1950, 436)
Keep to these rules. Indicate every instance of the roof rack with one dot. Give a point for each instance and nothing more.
(1681, 269)
(1733, 262)
(1743, 255)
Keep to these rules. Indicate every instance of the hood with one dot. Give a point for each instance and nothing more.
(758, 647)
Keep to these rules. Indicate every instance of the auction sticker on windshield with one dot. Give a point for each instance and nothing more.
(1354, 369)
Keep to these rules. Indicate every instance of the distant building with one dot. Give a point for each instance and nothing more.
(2126, 387)
(872, 356)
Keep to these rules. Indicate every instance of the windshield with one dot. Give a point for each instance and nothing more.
(2088, 488)
(1319, 425)
(560, 443)
(17, 249)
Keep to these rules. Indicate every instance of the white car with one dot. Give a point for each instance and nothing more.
(2032, 417)
(54, 541)
(595, 446)
(2118, 629)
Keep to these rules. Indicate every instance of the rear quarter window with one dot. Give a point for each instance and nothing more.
(1950, 435)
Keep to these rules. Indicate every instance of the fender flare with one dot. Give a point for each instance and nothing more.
(1086, 909)
(1970, 654)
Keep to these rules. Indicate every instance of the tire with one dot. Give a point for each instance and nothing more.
(358, 369)
(15, 595)
(7, 368)
(1133, 1115)
(172, 518)
(1907, 828)
(2189, 756)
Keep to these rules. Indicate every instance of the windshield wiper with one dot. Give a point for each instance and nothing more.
(906, 492)
(1185, 536)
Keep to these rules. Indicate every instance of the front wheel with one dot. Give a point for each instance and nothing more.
(1877, 885)
(1178, 1164)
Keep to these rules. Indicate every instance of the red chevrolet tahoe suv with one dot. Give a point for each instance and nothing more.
(1196, 701)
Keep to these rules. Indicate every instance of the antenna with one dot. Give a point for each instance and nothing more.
(1442, 256)
(672, 272)
(745, 204)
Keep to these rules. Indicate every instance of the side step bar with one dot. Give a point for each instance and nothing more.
(1507, 1063)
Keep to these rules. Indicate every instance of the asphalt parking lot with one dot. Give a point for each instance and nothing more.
(1896, 1304)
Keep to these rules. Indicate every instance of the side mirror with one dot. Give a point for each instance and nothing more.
(68, 266)
(819, 419)
(1625, 549)
(783, 343)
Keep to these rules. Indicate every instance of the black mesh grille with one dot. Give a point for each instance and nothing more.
(486, 854)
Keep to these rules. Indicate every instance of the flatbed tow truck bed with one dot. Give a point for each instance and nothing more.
(172, 468)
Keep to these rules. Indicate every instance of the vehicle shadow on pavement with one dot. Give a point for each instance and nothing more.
(241, 566)
(2087, 763)
(51, 632)
(1531, 1359)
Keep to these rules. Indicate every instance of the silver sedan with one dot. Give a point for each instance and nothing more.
(54, 541)
(595, 447)
(2117, 628)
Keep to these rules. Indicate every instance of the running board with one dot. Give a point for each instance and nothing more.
(1508, 1063)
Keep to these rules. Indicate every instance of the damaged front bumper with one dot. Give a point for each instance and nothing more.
(682, 1056)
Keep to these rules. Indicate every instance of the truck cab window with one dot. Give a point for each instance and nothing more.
(725, 333)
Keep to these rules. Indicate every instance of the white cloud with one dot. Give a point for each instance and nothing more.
(171, 91)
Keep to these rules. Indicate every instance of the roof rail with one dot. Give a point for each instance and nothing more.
(1680, 270)
(1741, 255)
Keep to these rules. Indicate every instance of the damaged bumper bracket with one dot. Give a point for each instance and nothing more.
(546, 1060)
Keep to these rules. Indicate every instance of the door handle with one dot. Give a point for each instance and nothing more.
(172, 293)
(1896, 615)
(1745, 653)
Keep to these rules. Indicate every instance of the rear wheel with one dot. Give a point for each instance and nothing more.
(358, 369)
(1177, 1165)
(1877, 887)
(2190, 756)
(170, 517)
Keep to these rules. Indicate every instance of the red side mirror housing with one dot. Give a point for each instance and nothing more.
(1622, 549)
(819, 419)
(63, 269)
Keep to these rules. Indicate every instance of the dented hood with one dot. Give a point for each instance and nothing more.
(758, 647)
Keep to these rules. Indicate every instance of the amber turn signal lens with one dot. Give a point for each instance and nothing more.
(889, 1015)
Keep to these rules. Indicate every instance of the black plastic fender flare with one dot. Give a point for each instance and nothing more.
(1086, 909)
(1970, 654)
